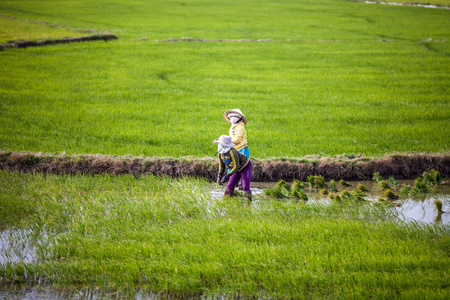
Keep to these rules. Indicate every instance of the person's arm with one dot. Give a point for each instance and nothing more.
(239, 132)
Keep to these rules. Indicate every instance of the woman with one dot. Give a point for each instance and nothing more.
(237, 130)
(238, 164)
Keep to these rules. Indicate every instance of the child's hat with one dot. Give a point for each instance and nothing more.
(237, 112)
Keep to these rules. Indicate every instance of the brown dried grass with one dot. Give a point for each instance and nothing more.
(401, 166)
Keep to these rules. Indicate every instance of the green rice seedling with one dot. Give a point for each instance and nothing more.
(324, 191)
(390, 195)
(298, 193)
(377, 177)
(420, 187)
(432, 177)
(362, 188)
(384, 203)
(405, 190)
(283, 185)
(392, 181)
(333, 185)
(335, 197)
(358, 193)
(316, 182)
(346, 195)
(274, 192)
(352, 197)
(281, 190)
(344, 183)
(384, 184)
(358, 196)
(299, 183)
(438, 205)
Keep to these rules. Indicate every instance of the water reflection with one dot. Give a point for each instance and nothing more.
(424, 210)
(420, 209)
(47, 293)
(17, 246)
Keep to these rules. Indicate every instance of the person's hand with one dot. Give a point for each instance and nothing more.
(225, 178)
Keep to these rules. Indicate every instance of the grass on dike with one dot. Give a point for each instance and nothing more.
(340, 89)
(167, 236)
(14, 29)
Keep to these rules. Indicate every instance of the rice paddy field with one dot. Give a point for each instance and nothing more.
(323, 77)
(336, 77)
(118, 235)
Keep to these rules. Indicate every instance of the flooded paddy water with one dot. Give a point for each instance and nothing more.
(20, 246)
(32, 292)
(419, 209)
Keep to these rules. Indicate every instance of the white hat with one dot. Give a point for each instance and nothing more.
(237, 112)
(225, 143)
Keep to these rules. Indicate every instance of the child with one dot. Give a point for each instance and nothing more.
(239, 165)
(237, 130)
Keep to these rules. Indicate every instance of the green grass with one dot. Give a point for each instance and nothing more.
(127, 234)
(359, 79)
(19, 29)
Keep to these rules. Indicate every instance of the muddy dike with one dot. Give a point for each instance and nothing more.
(401, 166)
(27, 43)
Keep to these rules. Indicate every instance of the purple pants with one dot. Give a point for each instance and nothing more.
(245, 174)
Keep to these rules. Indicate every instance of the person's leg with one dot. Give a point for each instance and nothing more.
(246, 179)
(234, 179)
(246, 153)
(247, 176)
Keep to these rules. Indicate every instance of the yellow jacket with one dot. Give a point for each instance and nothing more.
(238, 136)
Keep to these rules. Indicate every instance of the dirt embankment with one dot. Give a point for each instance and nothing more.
(96, 37)
(401, 166)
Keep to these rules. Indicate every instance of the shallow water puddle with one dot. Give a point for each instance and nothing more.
(16, 246)
(219, 192)
(420, 210)
(425, 211)
(38, 292)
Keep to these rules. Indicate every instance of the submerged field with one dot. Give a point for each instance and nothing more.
(336, 77)
(125, 234)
